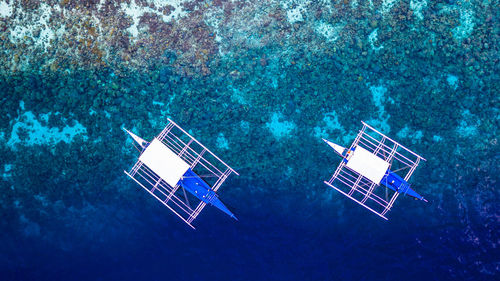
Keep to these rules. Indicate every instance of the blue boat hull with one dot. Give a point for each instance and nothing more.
(398, 184)
(201, 190)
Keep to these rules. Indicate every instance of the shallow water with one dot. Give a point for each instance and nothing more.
(260, 84)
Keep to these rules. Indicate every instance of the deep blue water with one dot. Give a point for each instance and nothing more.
(277, 238)
(259, 83)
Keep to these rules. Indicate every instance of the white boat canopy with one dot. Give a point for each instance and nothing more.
(164, 162)
(367, 164)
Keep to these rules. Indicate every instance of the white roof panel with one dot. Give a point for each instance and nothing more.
(367, 164)
(164, 162)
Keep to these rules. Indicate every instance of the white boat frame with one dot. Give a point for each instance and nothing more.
(199, 159)
(360, 189)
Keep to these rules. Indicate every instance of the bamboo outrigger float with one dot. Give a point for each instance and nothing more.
(374, 169)
(175, 162)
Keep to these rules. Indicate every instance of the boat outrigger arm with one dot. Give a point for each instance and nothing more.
(390, 179)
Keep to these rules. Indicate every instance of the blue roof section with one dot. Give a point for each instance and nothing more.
(398, 184)
(191, 182)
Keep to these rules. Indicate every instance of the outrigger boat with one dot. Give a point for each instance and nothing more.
(374, 166)
(175, 162)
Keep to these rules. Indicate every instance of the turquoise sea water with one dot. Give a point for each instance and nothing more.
(260, 83)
